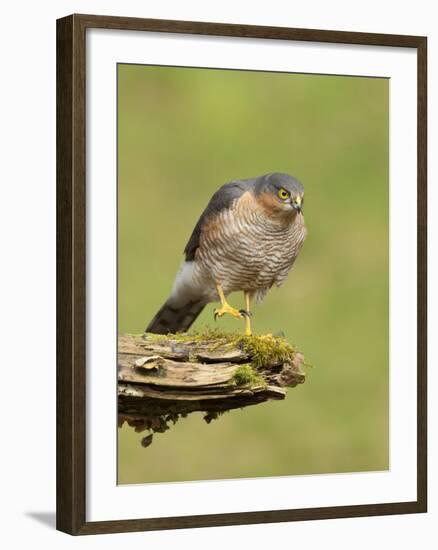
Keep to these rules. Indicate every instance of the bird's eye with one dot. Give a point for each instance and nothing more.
(283, 194)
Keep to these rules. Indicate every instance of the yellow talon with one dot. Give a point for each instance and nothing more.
(226, 308)
(238, 314)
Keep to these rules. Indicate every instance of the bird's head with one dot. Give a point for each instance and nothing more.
(280, 194)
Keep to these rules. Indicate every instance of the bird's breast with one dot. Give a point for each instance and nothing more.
(244, 249)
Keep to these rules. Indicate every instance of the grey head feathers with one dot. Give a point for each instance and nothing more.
(275, 181)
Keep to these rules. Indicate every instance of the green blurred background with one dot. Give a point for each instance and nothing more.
(182, 133)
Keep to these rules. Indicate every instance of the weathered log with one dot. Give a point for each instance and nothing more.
(163, 378)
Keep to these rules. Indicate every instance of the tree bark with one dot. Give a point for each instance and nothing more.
(163, 379)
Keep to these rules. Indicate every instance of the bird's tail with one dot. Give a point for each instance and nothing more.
(171, 318)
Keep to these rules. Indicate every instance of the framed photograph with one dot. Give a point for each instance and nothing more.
(241, 274)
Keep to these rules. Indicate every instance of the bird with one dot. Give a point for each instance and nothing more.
(247, 239)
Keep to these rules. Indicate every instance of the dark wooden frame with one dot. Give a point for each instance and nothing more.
(71, 265)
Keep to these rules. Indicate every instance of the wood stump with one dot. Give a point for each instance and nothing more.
(164, 378)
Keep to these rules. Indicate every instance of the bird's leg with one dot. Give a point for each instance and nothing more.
(248, 314)
(225, 306)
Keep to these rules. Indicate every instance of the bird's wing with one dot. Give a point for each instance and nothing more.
(221, 200)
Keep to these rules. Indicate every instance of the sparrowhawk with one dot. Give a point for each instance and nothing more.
(247, 239)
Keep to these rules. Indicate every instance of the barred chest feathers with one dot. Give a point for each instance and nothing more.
(246, 248)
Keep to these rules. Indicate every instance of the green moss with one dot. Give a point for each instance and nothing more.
(205, 336)
(265, 349)
(248, 376)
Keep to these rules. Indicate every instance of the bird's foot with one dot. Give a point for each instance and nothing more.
(226, 308)
(245, 313)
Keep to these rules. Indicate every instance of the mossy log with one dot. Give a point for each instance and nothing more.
(163, 378)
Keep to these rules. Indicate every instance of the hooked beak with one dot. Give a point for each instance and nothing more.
(297, 204)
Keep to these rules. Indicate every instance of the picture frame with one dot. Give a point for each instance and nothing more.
(73, 291)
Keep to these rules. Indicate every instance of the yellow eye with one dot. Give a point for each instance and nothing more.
(283, 194)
